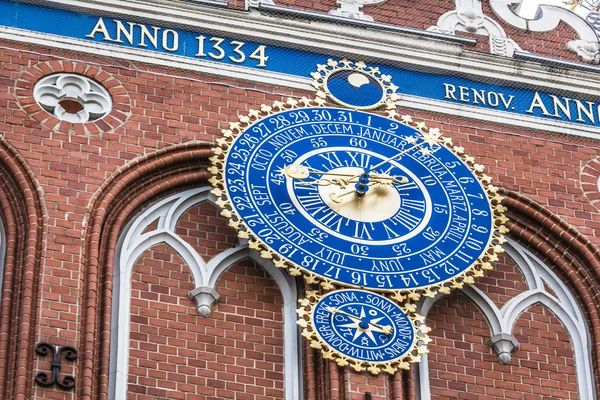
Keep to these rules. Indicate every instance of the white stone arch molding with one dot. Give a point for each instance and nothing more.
(502, 320)
(133, 242)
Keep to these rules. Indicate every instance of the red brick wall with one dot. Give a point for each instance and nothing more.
(425, 14)
(203, 228)
(72, 165)
(463, 366)
(175, 353)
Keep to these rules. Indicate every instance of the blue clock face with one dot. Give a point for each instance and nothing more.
(357, 198)
(363, 325)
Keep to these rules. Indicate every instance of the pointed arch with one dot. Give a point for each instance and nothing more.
(570, 254)
(502, 320)
(22, 209)
(135, 240)
(142, 181)
(539, 239)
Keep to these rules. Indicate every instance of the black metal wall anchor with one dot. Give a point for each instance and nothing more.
(70, 354)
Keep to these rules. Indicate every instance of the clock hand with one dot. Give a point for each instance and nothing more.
(336, 197)
(334, 310)
(361, 188)
(397, 155)
(432, 137)
(300, 172)
(342, 183)
(385, 329)
(327, 182)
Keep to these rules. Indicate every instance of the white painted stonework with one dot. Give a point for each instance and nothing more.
(468, 17)
(379, 45)
(502, 320)
(353, 9)
(94, 99)
(134, 241)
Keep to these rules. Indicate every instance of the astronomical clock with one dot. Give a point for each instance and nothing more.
(373, 209)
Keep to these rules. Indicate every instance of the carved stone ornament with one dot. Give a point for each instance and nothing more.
(588, 51)
(205, 297)
(72, 98)
(504, 344)
(257, 3)
(468, 17)
(353, 9)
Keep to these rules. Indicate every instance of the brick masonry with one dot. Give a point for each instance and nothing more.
(67, 191)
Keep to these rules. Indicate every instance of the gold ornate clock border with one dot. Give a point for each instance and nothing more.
(489, 255)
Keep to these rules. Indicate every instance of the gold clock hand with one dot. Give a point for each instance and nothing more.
(327, 182)
(301, 172)
(385, 329)
(397, 155)
(432, 137)
(336, 198)
(334, 310)
(342, 183)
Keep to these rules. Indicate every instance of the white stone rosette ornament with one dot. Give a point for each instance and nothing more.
(72, 98)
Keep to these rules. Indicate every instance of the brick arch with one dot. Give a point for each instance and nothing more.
(22, 211)
(570, 254)
(122, 195)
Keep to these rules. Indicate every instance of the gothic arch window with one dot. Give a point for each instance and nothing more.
(158, 225)
(544, 288)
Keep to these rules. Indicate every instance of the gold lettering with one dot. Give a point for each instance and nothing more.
(145, 33)
(100, 28)
(259, 54)
(121, 30)
(200, 40)
(537, 103)
(589, 113)
(506, 103)
(566, 108)
(450, 89)
(217, 47)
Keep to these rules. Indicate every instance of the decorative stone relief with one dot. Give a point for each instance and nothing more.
(353, 9)
(257, 3)
(547, 19)
(468, 17)
(504, 344)
(73, 98)
(205, 297)
(345, 8)
(588, 51)
(590, 181)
